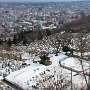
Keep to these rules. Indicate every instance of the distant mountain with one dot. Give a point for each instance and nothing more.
(77, 25)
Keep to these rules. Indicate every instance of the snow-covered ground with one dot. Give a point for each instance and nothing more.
(74, 64)
(1, 78)
(7, 66)
(32, 74)
(24, 75)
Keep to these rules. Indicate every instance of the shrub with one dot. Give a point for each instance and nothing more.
(45, 59)
(71, 51)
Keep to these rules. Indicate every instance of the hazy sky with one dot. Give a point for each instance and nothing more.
(35, 0)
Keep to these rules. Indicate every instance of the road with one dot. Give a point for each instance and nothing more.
(15, 87)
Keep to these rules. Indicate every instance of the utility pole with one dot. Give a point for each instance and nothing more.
(71, 80)
(89, 79)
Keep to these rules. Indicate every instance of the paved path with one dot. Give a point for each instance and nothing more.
(76, 56)
(71, 69)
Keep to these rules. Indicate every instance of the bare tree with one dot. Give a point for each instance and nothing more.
(54, 82)
(55, 42)
(82, 46)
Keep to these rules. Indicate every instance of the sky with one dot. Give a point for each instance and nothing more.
(36, 0)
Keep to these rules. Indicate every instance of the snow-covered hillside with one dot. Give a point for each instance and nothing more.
(34, 73)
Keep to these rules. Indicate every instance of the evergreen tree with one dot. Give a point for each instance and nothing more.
(9, 42)
(65, 49)
(40, 35)
(24, 40)
(1, 41)
(48, 32)
(44, 59)
(15, 39)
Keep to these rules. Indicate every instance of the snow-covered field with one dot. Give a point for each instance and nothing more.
(32, 74)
